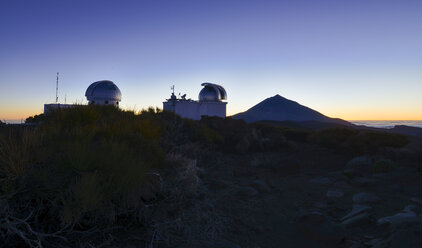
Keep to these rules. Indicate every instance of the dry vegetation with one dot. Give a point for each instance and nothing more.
(98, 176)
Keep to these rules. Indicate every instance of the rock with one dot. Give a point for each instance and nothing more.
(399, 218)
(357, 209)
(360, 165)
(357, 220)
(361, 198)
(358, 162)
(321, 180)
(261, 185)
(335, 193)
(416, 200)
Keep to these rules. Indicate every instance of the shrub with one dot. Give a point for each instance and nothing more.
(383, 165)
(35, 119)
(83, 167)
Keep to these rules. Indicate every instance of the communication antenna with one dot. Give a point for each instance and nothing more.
(57, 87)
(64, 98)
(172, 88)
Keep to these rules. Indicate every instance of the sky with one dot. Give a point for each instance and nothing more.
(351, 59)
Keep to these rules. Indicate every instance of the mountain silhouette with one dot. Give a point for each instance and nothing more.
(278, 108)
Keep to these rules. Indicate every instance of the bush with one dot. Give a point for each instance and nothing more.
(83, 167)
(383, 165)
(35, 119)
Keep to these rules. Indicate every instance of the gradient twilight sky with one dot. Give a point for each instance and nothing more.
(352, 59)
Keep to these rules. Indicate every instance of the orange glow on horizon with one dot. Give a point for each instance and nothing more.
(375, 114)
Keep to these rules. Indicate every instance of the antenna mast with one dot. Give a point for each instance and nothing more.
(57, 87)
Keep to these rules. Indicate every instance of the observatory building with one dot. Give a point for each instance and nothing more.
(210, 103)
(103, 92)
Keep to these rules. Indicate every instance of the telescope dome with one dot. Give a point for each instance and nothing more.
(103, 92)
(212, 93)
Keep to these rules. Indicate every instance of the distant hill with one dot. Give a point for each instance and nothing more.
(278, 108)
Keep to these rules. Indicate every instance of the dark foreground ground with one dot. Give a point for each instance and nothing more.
(216, 183)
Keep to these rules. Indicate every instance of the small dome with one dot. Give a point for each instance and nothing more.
(103, 91)
(212, 92)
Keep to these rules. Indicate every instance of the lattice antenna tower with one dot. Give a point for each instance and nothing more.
(57, 87)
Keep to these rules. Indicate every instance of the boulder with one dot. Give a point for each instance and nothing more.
(360, 165)
(399, 218)
(357, 220)
(359, 162)
(357, 209)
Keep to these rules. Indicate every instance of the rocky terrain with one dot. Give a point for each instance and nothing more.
(308, 195)
(98, 177)
(277, 204)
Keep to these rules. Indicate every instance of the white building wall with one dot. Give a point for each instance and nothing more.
(52, 106)
(212, 109)
(195, 110)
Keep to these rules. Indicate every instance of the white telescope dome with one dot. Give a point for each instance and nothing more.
(103, 92)
(212, 93)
